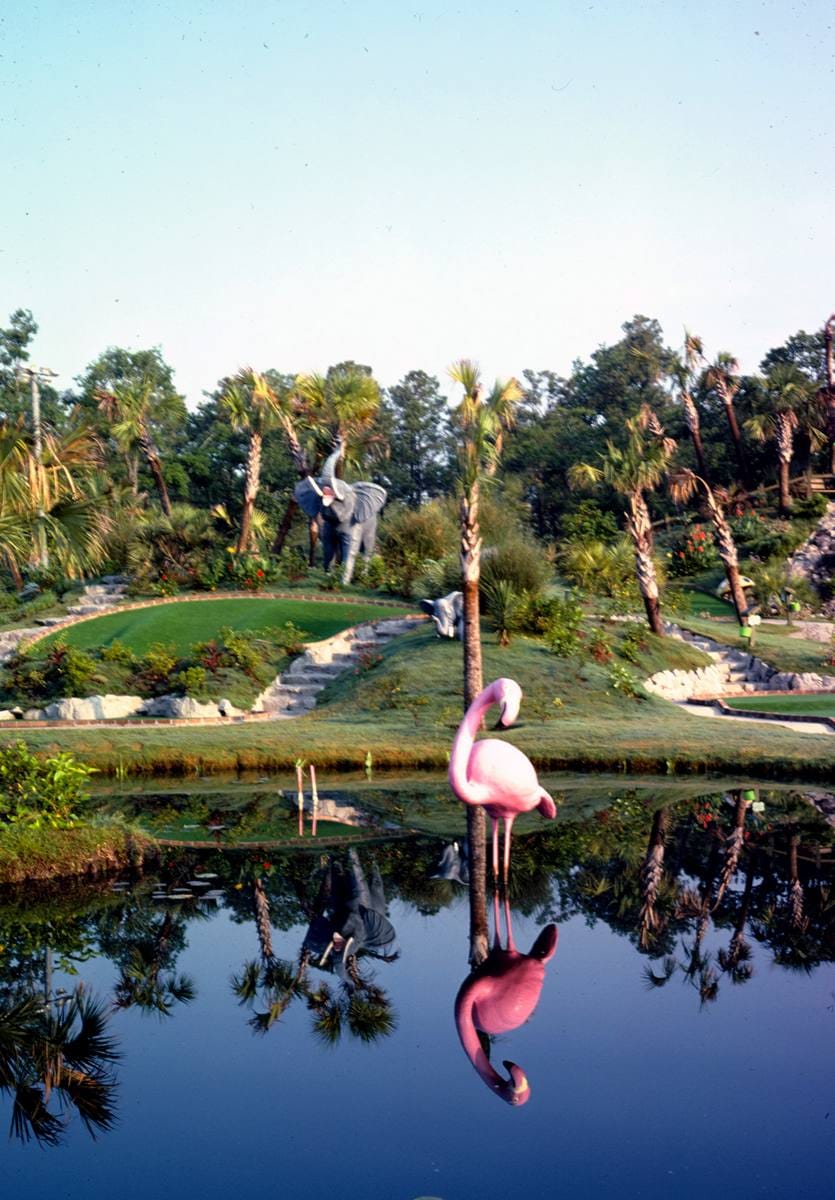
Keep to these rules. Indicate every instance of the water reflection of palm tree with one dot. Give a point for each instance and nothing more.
(652, 872)
(56, 1054)
(144, 982)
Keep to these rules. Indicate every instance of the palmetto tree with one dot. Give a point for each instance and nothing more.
(828, 331)
(631, 471)
(46, 511)
(129, 409)
(684, 374)
(683, 483)
(722, 377)
(144, 981)
(482, 422)
(788, 402)
(252, 405)
(58, 1055)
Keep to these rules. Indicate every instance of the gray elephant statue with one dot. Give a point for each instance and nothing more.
(448, 614)
(348, 512)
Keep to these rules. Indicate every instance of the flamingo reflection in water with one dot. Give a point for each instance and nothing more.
(501, 994)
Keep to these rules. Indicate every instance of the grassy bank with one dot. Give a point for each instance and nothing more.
(184, 622)
(85, 851)
(404, 710)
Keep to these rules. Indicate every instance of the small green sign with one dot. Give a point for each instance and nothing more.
(745, 631)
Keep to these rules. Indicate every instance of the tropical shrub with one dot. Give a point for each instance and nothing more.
(589, 523)
(601, 568)
(517, 562)
(693, 552)
(191, 681)
(38, 792)
(502, 604)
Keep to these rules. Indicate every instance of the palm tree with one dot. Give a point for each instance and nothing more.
(631, 471)
(129, 410)
(652, 871)
(788, 398)
(252, 405)
(143, 980)
(684, 372)
(340, 405)
(828, 330)
(44, 511)
(482, 423)
(58, 1050)
(722, 377)
(683, 483)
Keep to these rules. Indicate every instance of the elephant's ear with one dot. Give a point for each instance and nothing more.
(370, 499)
(307, 498)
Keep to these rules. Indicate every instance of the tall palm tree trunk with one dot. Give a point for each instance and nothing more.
(152, 459)
(691, 417)
(736, 438)
(785, 445)
(726, 546)
(473, 684)
(639, 527)
(828, 329)
(262, 919)
(652, 871)
(252, 480)
(284, 528)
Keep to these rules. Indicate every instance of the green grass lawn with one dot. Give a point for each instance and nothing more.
(818, 706)
(697, 602)
(404, 711)
(183, 624)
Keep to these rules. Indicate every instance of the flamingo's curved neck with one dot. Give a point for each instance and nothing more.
(459, 757)
(472, 1046)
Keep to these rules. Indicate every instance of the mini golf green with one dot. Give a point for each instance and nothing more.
(184, 622)
(817, 706)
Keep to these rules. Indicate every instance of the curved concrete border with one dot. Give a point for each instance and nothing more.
(199, 598)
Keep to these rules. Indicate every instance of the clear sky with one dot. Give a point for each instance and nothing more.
(407, 182)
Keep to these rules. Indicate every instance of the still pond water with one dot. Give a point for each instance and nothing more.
(682, 1043)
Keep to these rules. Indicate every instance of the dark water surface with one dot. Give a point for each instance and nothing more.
(682, 1044)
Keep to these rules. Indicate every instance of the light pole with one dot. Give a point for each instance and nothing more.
(35, 376)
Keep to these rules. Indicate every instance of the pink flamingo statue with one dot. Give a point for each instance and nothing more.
(495, 774)
(500, 995)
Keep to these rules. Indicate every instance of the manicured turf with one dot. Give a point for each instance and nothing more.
(699, 602)
(186, 622)
(819, 706)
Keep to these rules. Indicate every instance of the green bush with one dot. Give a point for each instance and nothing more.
(589, 523)
(155, 668)
(36, 792)
(503, 607)
(693, 551)
(518, 563)
(241, 651)
(191, 681)
(601, 568)
(118, 652)
(409, 538)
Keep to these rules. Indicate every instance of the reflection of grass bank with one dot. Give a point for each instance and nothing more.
(404, 711)
(86, 850)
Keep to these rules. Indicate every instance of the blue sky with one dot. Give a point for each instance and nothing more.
(288, 184)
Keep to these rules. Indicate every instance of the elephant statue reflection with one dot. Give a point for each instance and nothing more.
(350, 915)
(499, 995)
(348, 512)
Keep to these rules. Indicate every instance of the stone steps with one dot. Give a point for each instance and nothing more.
(295, 691)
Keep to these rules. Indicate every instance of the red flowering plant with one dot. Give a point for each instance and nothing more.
(693, 552)
(247, 571)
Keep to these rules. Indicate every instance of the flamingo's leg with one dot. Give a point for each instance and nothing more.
(508, 825)
(511, 945)
(497, 934)
(495, 821)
